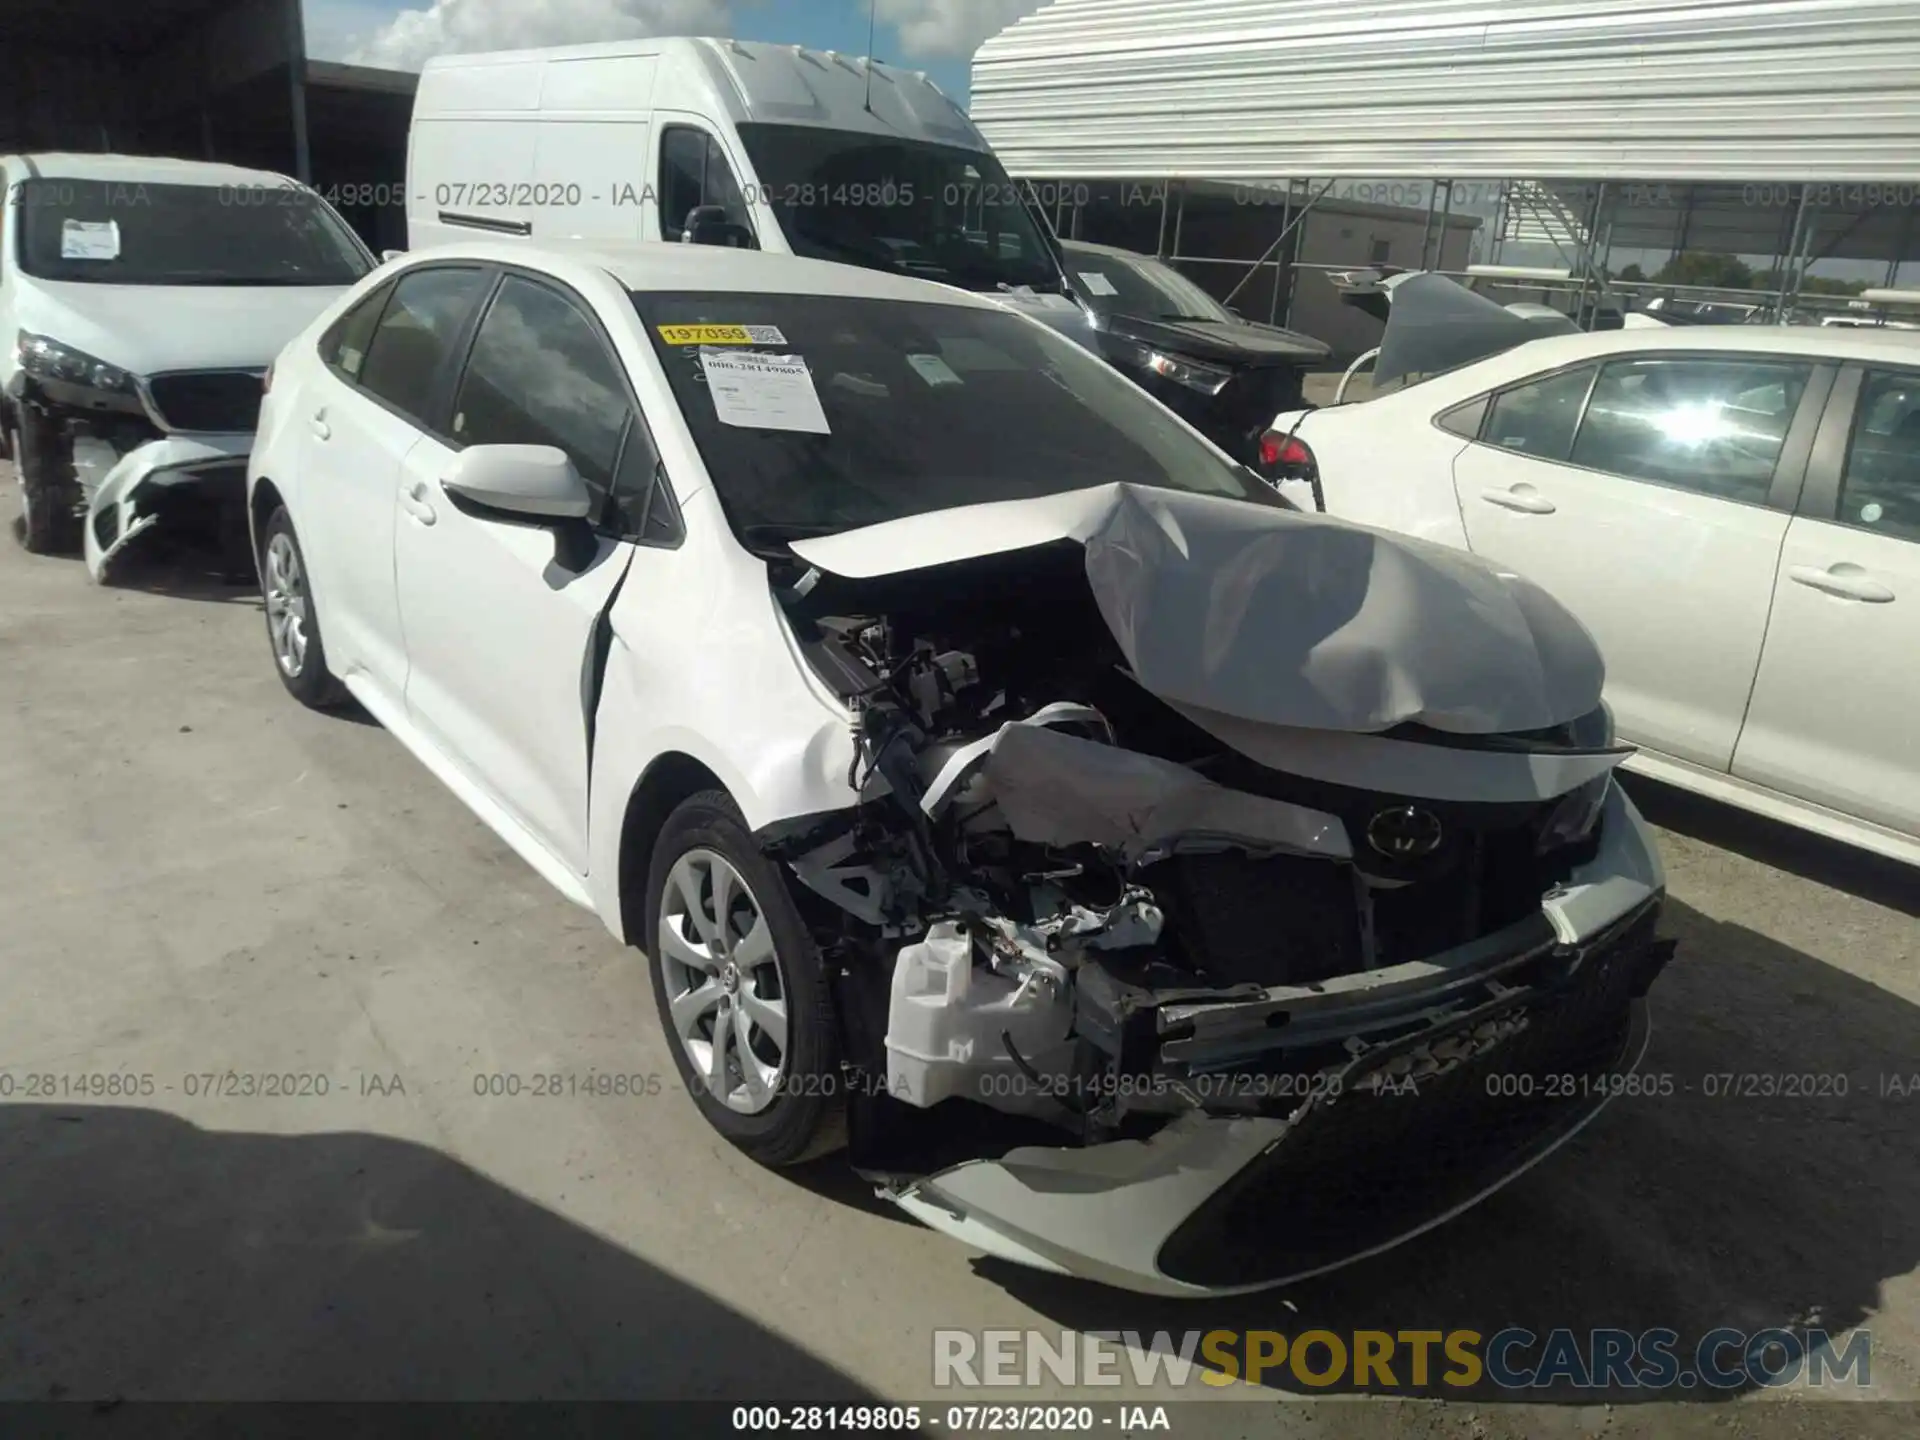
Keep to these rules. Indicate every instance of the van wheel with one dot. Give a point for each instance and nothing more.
(742, 991)
(293, 624)
(43, 463)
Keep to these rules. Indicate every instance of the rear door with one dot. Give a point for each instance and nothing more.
(385, 362)
(1651, 494)
(1836, 710)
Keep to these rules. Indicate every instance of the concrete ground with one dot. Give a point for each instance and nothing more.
(200, 880)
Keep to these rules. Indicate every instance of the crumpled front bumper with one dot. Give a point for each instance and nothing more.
(121, 507)
(1536, 1034)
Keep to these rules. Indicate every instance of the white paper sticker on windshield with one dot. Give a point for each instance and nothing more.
(89, 239)
(1097, 283)
(933, 370)
(763, 392)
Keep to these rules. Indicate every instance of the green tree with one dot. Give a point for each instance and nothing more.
(1632, 274)
(1699, 267)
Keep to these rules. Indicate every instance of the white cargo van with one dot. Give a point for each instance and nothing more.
(725, 142)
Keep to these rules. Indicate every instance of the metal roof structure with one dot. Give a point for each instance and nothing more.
(1729, 91)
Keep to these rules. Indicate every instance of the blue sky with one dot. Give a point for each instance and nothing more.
(937, 36)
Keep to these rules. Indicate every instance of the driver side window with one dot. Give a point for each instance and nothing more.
(694, 171)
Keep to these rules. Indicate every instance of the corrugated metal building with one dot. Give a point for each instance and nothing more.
(1732, 90)
(1782, 128)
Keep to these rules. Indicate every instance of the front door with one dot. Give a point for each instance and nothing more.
(500, 625)
(1833, 718)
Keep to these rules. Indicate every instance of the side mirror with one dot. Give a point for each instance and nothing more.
(709, 225)
(386, 255)
(534, 482)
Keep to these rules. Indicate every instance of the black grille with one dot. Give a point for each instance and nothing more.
(212, 400)
(1360, 1172)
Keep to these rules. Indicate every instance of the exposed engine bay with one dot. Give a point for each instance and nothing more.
(1070, 910)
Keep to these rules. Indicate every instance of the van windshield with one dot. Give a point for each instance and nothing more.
(936, 211)
(821, 413)
(127, 233)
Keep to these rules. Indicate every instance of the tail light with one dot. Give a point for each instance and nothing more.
(1285, 457)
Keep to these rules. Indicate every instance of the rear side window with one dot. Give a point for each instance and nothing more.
(1539, 418)
(1880, 488)
(540, 374)
(1715, 426)
(415, 338)
(344, 346)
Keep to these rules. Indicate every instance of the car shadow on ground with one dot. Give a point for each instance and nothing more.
(1744, 1203)
(1783, 847)
(182, 569)
(146, 1258)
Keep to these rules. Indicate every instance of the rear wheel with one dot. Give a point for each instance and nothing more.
(742, 991)
(293, 626)
(43, 463)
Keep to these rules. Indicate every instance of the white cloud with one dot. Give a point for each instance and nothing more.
(950, 27)
(449, 27)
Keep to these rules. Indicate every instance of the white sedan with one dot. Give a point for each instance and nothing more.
(1002, 781)
(1734, 512)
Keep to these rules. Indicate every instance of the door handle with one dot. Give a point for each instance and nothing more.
(414, 501)
(1847, 581)
(318, 424)
(1523, 498)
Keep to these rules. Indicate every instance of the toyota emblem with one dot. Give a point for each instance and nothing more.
(1404, 833)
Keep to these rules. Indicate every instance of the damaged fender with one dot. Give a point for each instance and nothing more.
(115, 509)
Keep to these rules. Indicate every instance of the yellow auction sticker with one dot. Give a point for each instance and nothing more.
(721, 335)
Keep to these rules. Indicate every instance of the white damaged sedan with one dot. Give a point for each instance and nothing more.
(1141, 879)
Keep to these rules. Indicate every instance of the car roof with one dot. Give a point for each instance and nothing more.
(1830, 342)
(142, 169)
(666, 266)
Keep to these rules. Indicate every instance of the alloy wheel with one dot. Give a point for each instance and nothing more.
(726, 991)
(286, 592)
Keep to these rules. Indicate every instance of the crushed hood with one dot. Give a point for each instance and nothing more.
(1267, 615)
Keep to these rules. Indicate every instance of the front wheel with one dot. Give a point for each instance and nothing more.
(43, 462)
(293, 626)
(742, 992)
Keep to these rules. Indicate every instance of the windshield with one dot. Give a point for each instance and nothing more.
(936, 211)
(1141, 287)
(115, 233)
(816, 414)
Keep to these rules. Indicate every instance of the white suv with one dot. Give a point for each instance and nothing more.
(979, 754)
(140, 301)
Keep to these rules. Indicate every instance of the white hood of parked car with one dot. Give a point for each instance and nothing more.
(150, 329)
(1249, 613)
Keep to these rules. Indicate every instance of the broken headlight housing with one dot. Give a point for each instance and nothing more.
(47, 359)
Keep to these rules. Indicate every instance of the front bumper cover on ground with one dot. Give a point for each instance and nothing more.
(1539, 1034)
(123, 505)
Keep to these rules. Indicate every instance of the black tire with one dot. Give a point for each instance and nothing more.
(310, 681)
(43, 459)
(807, 1116)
